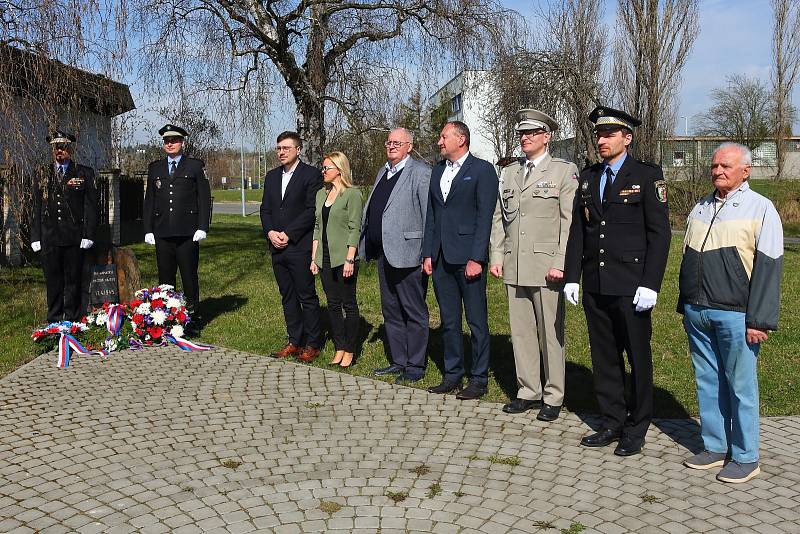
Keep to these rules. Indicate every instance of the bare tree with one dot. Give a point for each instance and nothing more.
(559, 73)
(786, 52)
(742, 111)
(654, 40)
(325, 52)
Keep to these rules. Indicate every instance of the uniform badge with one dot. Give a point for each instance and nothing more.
(585, 186)
(661, 190)
(158, 184)
(75, 182)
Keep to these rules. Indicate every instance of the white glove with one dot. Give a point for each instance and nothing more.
(86, 243)
(571, 293)
(199, 235)
(36, 246)
(644, 299)
(150, 239)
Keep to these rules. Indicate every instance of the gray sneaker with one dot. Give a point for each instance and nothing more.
(736, 473)
(706, 460)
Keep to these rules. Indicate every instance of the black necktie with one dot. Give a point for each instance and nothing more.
(172, 165)
(607, 187)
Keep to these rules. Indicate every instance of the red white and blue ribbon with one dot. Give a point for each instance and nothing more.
(68, 343)
(185, 344)
(115, 318)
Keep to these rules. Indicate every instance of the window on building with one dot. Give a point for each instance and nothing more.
(455, 103)
(678, 158)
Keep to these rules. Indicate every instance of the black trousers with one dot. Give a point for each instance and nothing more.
(452, 288)
(615, 326)
(342, 306)
(173, 253)
(63, 269)
(298, 296)
(405, 315)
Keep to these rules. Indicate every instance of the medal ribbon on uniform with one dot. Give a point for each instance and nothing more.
(185, 344)
(68, 343)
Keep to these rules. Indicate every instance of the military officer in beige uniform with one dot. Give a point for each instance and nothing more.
(529, 239)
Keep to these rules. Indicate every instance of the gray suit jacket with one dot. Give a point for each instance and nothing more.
(404, 216)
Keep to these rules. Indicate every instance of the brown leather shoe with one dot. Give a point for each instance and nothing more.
(287, 351)
(308, 354)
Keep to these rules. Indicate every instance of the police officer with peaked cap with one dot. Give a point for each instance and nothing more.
(619, 241)
(529, 239)
(63, 226)
(177, 209)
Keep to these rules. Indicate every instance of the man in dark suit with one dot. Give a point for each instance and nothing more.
(177, 212)
(63, 226)
(619, 240)
(287, 218)
(391, 233)
(461, 203)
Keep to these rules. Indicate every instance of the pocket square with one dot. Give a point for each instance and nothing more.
(467, 178)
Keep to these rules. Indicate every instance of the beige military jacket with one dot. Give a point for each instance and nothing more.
(531, 220)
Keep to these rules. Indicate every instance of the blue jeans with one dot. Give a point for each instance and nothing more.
(727, 384)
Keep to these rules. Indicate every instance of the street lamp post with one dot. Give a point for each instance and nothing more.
(241, 141)
(685, 125)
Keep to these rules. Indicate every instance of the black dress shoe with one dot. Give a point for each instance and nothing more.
(446, 387)
(605, 437)
(521, 405)
(629, 446)
(407, 379)
(391, 370)
(471, 392)
(548, 413)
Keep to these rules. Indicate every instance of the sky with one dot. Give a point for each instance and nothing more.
(735, 38)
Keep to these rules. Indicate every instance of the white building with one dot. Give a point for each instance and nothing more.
(469, 93)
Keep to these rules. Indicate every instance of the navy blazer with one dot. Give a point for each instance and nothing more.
(294, 213)
(460, 228)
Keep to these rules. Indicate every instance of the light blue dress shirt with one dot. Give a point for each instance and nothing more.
(614, 170)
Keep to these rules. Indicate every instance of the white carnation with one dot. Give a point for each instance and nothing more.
(111, 344)
(173, 303)
(165, 287)
(177, 331)
(143, 308)
(158, 317)
(157, 295)
(101, 319)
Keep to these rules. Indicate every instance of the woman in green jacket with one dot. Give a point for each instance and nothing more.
(333, 253)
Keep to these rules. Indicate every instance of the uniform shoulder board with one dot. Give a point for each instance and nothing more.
(592, 167)
(560, 161)
(506, 162)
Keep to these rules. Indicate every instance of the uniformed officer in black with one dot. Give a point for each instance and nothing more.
(619, 240)
(63, 226)
(177, 208)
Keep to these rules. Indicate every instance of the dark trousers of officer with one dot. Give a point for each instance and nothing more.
(173, 253)
(405, 315)
(615, 326)
(299, 297)
(452, 288)
(63, 266)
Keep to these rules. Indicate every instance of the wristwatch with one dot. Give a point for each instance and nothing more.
(349, 261)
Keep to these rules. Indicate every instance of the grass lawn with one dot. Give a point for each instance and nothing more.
(235, 195)
(241, 303)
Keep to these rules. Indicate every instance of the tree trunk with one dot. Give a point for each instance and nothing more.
(311, 104)
(310, 126)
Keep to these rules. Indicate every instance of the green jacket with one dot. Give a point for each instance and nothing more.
(344, 224)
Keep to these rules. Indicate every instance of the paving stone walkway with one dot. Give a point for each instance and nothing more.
(224, 441)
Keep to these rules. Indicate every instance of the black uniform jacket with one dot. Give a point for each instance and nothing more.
(180, 205)
(64, 210)
(622, 243)
(293, 214)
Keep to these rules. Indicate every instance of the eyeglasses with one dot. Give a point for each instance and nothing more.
(326, 168)
(285, 148)
(531, 133)
(395, 144)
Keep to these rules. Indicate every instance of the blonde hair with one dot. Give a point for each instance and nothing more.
(341, 162)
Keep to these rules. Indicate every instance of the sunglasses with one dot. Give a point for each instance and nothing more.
(172, 140)
(326, 168)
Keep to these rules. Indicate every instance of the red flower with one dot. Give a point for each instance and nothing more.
(139, 332)
(156, 331)
(157, 303)
(182, 316)
(135, 303)
(138, 318)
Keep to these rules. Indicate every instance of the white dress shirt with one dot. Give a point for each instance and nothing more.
(286, 176)
(450, 170)
(391, 171)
